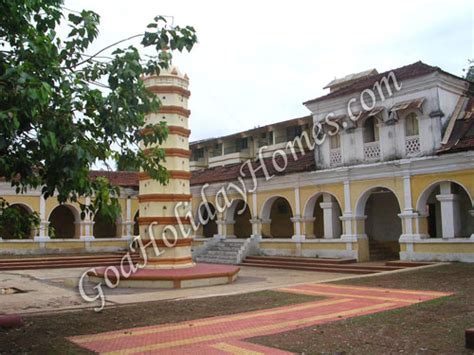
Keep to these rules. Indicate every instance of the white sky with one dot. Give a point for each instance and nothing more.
(257, 61)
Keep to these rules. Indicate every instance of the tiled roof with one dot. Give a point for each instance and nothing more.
(229, 172)
(407, 72)
(118, 178)
(232, 171)
(297, 120)
(461, 137)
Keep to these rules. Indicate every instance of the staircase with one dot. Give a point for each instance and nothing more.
(56, 262)
(225, 251)
(346, 266)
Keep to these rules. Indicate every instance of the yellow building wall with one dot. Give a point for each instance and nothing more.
(337, 190)
(358, 188)
(419, 183)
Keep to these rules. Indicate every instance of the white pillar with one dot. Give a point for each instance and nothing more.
(256, 226)
(331, 219)
(297, 218)
(450, 216)
(346, 218)
(87, 224)
(221, 228)
(44, 223)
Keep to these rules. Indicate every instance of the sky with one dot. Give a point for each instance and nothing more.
(257, 61)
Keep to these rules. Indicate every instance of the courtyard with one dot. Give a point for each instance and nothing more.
(422, 310)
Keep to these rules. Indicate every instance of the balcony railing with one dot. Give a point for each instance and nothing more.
(372, 151)
(335, 157)
(412, 145)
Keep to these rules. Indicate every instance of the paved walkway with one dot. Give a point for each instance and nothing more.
(49, 290)
(227, 334)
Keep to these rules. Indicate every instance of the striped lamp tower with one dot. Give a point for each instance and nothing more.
(171, 266)
(156, 201)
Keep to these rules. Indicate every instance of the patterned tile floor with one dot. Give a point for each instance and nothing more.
(227, 334)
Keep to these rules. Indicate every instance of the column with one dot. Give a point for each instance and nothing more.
(346, 217)
(450, 216)
(298, 236)
(127, 225)
(256, 226)
(410, 218)
(221, 228)
(331, 219)
(44, 223)
(87, 224)
(297, 218)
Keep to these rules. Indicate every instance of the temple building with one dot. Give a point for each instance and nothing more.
(382, 167)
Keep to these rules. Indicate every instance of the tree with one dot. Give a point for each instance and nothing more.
(63, 109)
(469, 71)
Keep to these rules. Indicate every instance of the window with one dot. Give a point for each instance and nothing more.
(217, 150)
(265, 138)
(293, 132)
(371, 131)
(411, 125)
(335, 141)
(198, 154)
(241, 144)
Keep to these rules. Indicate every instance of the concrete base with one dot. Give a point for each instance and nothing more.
(196, 276)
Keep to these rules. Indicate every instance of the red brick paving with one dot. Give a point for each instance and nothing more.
(225, 334)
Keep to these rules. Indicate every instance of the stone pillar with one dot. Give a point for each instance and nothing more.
(331, 219)
(256, 226)
(42, 234)
(221, 228)
(87, 225)
(297, 227)
(162, 208)
(127, 231)
(450, 216)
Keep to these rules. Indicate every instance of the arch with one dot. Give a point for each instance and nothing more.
(239, 213)
(380, 207)
(364, 196)
(24, 206)
(457, 223)
(278, 210)
(313, 209)
(421, 202)
(136, 226)
(209, 229)
(309, 205)
(26, 230)
(62, 222)
(103, 228)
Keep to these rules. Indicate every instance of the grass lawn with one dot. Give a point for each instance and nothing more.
(46, 334)
(434, 327)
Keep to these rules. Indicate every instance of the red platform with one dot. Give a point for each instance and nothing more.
(196, 276)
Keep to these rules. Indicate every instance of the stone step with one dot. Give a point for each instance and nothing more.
(223, 252)
(215, 261)
(290, 263)
(313, 268)
(217, 248)
(304, 259)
